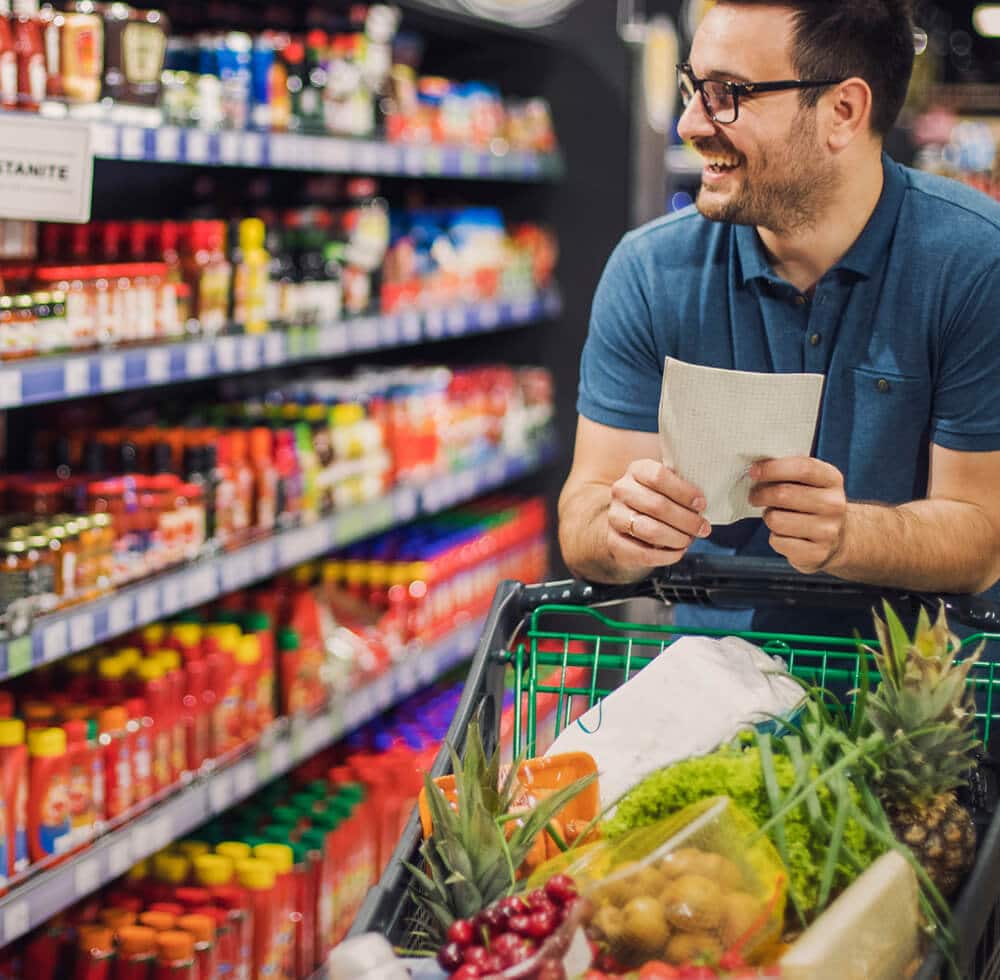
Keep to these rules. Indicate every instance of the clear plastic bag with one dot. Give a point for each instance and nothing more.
(701, 886)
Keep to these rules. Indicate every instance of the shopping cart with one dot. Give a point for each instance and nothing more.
(544, 634)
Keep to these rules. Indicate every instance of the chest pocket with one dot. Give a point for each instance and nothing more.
(890, 430)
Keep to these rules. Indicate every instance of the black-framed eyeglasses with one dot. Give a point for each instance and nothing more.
(722, 99)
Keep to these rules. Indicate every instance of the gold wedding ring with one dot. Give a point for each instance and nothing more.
(631, 525)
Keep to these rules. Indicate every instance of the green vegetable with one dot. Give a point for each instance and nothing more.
(738, 774)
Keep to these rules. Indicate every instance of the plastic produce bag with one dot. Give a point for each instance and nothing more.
(702, 885)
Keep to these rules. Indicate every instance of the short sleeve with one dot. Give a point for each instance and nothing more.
(620, 370)
(966, 410)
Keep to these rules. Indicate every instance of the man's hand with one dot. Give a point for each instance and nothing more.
(805, 509)
(654, 516)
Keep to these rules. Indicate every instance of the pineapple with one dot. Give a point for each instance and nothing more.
(473, 851)
(926, 715)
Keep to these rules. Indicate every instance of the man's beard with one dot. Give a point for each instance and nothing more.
(781, 199)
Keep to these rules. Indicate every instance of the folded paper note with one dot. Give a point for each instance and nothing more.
(714, 424)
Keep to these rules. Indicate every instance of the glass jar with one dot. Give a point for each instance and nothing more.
(43, 578)
(104, 550)
(15, 575)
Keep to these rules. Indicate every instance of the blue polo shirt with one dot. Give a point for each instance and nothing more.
(905, 327)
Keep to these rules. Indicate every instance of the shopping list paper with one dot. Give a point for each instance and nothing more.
(714, 424)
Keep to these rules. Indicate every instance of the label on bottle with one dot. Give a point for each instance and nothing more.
(8, 78)
(37, 77)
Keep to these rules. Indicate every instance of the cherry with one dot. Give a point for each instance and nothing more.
(541, 924)
(537, 898)
(561, 889)
(476, 956)
(512, 905)
(521, 924)
(493, 919)
(467, 972)
(450, 956)
(495, 963)
(462, 932)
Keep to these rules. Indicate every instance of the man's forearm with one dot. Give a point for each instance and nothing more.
(583, 534)
(928, 546)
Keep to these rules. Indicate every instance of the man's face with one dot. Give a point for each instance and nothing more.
(768, 168)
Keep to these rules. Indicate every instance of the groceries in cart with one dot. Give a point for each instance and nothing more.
(823, 845)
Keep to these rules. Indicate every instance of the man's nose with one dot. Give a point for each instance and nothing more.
(695, 121)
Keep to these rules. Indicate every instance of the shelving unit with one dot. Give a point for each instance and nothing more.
(51, 379)
(80, 627)
(288, 151)
(281, 748)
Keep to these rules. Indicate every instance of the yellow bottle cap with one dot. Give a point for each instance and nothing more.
(153, 635)
(46, 743)
(212, 870)
(347, 413)
(112, 668)
(252, 234)
(257, 876)
(248, 652)
(235, 850)
(149, 670)
(280, 856)
(192, 849)
(80, 663)
(170, 659)
(227, 635)
(139, 871)
(171, 869)
(187, 634)
(11, 732)
(130, 656)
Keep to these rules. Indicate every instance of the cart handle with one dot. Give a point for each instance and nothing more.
(728, 582)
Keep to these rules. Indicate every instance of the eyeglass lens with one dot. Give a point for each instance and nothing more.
(719, 100)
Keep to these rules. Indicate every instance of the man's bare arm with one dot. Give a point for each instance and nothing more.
(622, 513)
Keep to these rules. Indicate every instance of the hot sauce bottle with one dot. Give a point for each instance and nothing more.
(32, 76)
(8, 60)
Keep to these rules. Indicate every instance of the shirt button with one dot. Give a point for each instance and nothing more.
(800, 300)
(883, 385)
(815, 340)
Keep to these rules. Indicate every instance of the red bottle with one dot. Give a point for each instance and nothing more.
(114, 742)
(196, 713)
(140, 735)
(202, 929)
(257, 879)
(8, 71)
(156, 691)
(95, 953)
(48, 793)
(32, 76)
(136, 953)
(175, 956)
(82, 812)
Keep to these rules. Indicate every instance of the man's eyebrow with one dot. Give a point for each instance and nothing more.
(725, 75)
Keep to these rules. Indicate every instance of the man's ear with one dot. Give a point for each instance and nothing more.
(850, 110)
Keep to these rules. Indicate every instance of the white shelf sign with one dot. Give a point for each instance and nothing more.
(46, 169)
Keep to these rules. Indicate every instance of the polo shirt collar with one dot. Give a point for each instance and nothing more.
(862, 258)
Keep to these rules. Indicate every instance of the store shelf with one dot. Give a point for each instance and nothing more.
(329, 154)
(79, 628)
(284, 746)
(51, 379)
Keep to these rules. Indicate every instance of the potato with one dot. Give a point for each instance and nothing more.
(692, 861)
(692, 903)
(648, 881)
(687, 946)
(644, 930)
(620, 889)
(608, 921)
(740, 913)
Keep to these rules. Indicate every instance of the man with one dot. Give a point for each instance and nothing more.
(808, 250)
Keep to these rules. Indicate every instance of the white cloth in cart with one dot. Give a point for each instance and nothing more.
(697, 694)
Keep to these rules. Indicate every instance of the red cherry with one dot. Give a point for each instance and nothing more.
(541, 924)
(476, 956)
(493, 919)
(495, 963)
(537, 898)
(462, 932)
(561, 889)
(512, 905)
(521, 924)
(450, 956)
(467, 972)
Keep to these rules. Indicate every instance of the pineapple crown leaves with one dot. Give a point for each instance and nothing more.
(469, 862)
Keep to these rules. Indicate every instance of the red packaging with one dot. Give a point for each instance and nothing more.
(113, 740)
(175, 956)
(140, 730)
(318, 901)
(202, 929)
(14, 789)
(239, 910)
(177, 684)
(48, 793)
(281, 859)
(257, 879)
(156, 692)
(95, 953)
(82, 812)
(196, 713)
(226, 944)
(136, 953)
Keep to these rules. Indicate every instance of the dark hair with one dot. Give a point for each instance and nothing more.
(869, 39)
